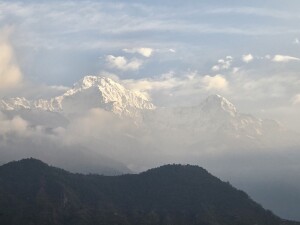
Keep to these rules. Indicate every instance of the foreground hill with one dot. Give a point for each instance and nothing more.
(31, 192)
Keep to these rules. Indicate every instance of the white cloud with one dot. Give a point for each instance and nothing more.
(16, 125)
(296, 99)
(121, 63)
(223, 64)
(255, 12)
(171, 89)
(267, 56)
(247, 58)
(146, 52)
(284, 58)
(215, 68)
(296, 41)
(10, 74)
(165, 82)
(218, 82)
(235, 70)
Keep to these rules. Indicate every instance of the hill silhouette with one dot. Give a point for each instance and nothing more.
(31, 192)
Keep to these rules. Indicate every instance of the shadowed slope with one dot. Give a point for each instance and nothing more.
(32, 192)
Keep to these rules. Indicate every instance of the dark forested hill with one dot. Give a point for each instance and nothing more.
(33, 193)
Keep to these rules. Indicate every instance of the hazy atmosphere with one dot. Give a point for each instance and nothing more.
(123, 86)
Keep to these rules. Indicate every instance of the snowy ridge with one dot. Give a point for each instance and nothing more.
(15, 104)
(215, 104)
(89, 92)
(214, 121)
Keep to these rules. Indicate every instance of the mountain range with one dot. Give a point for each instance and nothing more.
(31, 192)
(214, 122)
(89, 92)
(100, 126)
(129, 120)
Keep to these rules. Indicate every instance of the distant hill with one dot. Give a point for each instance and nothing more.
(31, 192)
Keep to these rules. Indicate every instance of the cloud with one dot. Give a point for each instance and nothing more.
(173, 89)
(284, 58)
(265, 12)
(296, 41)
(121, 63)
(235, 70)
(10, 73)
(150, 86)
(223, 64)
(16, 125)
(247, 58)
(86, 139)
(120, 20)
(217, 83)
(296, 99)
(267, 56)
(82, 26)
(146, 52)
(56, 143)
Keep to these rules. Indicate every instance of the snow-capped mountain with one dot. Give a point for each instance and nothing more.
(11, 104)
(89, 92)
(131, 124)
(214, 122)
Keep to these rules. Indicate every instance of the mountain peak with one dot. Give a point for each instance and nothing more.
(15, 103)
(177, 169)
(89, 81)
(30, 161)
(217, 103)
(26, 164)
(109, 94)
(89, 92)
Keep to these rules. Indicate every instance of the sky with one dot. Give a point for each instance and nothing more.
(247, 50)
(176, 53)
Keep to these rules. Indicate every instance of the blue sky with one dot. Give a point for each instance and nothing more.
(247, 51)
